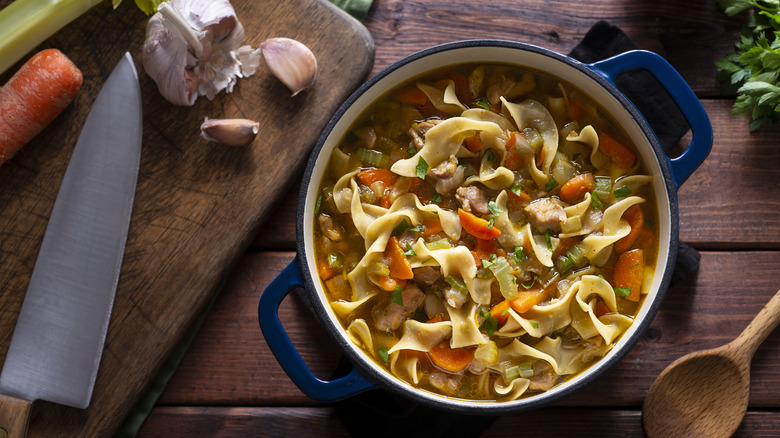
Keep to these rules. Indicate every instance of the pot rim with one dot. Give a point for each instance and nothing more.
(584, 377)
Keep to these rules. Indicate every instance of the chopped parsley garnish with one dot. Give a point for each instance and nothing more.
(534, 324)
(490, 155)
(436, 198)
(397, 297)
(427, 260)
(517, 253)
(491, 222)
(491, 323)
(622, 291)
(551, 184)
(548, 239)
(494, 208)
(422, 168)
(595, 201)
(529, 286)
(405, 226)
(482, 103)
(382, 350)
(622, 192)
(488, 263)
(402, 226)
(317, 205)
(412, 151)
(516, 189)
(409, 250)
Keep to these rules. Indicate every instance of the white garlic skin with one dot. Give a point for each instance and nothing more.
(291, 62)
(168, 61)
(195, 50)
(231, 132)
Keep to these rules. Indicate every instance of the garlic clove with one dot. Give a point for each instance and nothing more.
(291, 62)
(232, 132)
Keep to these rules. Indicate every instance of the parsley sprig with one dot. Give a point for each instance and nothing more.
(753, 70)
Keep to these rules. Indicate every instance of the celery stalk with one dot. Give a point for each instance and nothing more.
(26, 23)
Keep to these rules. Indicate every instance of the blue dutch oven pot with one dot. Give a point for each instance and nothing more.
(596, 80)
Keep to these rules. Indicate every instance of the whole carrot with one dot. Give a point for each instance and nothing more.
(33, 97)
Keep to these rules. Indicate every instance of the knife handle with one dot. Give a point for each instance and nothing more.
(14, 417)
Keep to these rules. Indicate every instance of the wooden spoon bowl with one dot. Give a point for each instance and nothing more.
(706, 393)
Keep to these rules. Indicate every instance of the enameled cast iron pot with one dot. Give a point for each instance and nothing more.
(595, 80)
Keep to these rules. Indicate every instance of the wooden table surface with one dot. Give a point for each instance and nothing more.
(230, 385)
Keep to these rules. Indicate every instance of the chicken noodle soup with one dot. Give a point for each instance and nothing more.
(485, 232)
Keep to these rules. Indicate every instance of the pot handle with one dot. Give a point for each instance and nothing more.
(683, 166)
(286, 353)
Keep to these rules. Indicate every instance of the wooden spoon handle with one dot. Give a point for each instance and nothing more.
(758, 329)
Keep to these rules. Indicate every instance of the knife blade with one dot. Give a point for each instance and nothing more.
(58, 340)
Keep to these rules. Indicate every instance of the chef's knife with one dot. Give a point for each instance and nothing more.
(58, 340)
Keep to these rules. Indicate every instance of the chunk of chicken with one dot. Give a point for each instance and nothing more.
(447, 384)
(389, 317)
(418, 134)
(472, 199)
(407, 238)
(445, 169)
(330, 228)
(544, 377)
(426, 275)
(546, 214)
(448, 175)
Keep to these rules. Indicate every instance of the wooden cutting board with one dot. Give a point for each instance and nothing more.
(197, 205)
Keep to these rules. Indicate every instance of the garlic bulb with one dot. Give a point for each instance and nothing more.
(192, 49)
(291, 62)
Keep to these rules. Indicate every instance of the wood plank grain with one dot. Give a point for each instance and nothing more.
(691, 35)
(198, 204)
(229, 361)
(235, 422)
(730, 202)
(607, 423)
(165, 422)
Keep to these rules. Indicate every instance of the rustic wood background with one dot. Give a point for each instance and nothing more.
(229, 384)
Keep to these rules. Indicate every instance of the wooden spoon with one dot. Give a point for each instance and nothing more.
(706, 393)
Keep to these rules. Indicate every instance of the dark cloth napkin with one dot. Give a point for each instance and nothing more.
(380, 413)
